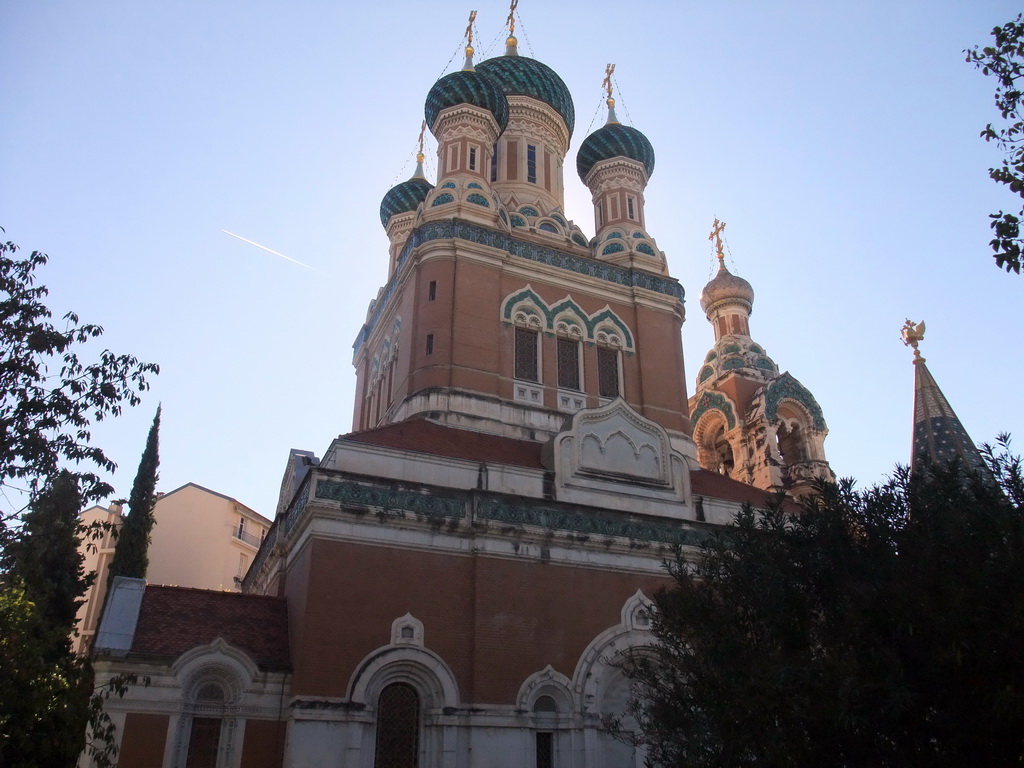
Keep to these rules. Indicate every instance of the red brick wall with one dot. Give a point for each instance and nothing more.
(264, 744)
(494, 621)
(142, 745)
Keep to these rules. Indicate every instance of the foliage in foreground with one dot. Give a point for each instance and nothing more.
(1005, 61)
(879, 627)
(49, 399)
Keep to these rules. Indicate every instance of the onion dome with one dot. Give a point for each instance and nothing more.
(522, 76)
(726, 285)
(614, 140)
(466, 87)
(407, 196)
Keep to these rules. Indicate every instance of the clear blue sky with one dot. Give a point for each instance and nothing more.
(839, 141)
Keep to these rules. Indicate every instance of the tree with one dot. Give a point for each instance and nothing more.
(49, 398)
(46, 688)
(130, 555)
(1005, 61)
(878, 627)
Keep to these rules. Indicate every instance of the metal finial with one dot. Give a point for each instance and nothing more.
(913, 334)
(606, 84)
(512, 18)
(468, 66)
(716, 235)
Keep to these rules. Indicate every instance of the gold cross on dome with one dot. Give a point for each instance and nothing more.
(607, 83)
(512, 17)
(423, 128)
(469, 28)
(716, 235)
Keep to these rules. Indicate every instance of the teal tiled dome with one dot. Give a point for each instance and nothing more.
(403, 198)
(614, 140)
(466, 87)
(523, 76)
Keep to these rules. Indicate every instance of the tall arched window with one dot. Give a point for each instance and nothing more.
(398, 727)
(205, 731)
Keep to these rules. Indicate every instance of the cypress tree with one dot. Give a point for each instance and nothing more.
(130, 555)
(48, 562)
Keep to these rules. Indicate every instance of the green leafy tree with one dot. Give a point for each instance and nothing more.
(131, 553)
(49, 398)
(1004, 60)
(49, 395)
(45, 584)
(879, 627)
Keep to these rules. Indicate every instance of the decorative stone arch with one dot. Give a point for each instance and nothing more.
(609, 324)
(795, 423)
(407, 630)
(213, 679)
(786, 387)
(601, 685)
(408, 667)
(525, 309)
(717, 448)
(420, 667)
(219, 659)
(567, 311)
(553, 225)
(547, 682)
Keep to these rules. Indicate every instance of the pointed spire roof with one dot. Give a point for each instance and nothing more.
(939, 437)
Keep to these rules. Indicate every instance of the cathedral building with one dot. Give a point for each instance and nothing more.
(454, 582)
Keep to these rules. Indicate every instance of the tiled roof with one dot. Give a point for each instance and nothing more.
(422, 436)
(173, 620)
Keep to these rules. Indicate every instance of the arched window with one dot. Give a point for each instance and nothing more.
(205, 732)
(545, 711)
(608, 371)
(723, 452)
(398, 727)
(568, 343)
(790, 444)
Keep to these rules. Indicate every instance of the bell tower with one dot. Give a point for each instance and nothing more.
(751, 422)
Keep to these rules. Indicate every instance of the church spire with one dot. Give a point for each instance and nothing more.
(939, 436)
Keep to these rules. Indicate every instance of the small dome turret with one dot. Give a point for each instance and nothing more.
(466, 87)
(407, 196)
(614, 140)
(726, 286)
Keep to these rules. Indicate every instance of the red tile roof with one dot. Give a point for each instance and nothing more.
(422, 436)
(173, 620)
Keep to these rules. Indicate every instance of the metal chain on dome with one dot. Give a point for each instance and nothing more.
(526, 37)
(621, 100)
(605, 95)
(428, 158)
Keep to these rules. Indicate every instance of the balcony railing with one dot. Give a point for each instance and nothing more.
(249, 538)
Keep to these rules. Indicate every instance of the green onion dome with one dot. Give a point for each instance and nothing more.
(403, 198)
(523, 76)
(466, 87)
(614, 140)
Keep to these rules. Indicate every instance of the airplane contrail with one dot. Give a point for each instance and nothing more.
(271, 250)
